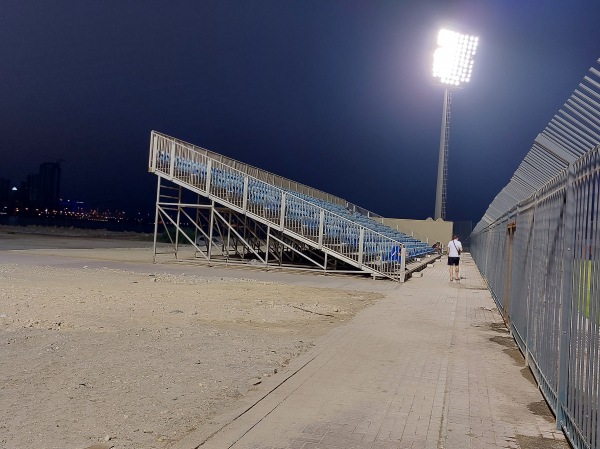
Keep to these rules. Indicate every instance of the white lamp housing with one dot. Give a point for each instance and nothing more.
(453, 59)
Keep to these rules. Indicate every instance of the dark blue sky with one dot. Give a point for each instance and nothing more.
(334, 94)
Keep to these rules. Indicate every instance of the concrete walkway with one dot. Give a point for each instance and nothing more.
(431, 366)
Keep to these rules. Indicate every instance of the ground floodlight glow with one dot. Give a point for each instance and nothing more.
(453, 59)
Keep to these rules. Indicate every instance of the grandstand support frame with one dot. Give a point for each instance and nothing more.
(223, 244)
(223, 211)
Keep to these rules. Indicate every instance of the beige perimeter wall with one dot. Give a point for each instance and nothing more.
(428, 231)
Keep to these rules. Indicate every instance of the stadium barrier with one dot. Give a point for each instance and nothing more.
(541, 260)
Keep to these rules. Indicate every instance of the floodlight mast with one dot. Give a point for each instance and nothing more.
(452, 65)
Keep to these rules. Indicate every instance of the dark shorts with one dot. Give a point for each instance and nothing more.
(453, 260)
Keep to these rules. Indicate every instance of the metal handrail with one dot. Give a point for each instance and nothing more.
(271, 178)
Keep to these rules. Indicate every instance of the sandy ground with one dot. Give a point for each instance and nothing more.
(126, 359)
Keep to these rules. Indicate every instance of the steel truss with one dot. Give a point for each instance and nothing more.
(216, 234)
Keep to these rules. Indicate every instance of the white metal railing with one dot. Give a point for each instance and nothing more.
(265, 176)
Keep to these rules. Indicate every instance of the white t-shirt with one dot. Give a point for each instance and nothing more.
(452, 249)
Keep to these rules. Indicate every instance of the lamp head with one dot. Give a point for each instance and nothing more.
(453, 58)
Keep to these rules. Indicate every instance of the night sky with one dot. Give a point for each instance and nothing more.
(337, 95)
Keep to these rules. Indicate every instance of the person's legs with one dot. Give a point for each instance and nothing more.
(452, 263)
(457, 277)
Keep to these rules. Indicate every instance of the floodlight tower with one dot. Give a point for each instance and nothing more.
(452, 65)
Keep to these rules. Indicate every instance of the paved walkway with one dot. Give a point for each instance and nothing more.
(431, 366)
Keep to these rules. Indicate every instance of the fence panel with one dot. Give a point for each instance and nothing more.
(499, 268)
(543, 335)
(521, 272)
(489, 250)
(553, 291)
(581, 407)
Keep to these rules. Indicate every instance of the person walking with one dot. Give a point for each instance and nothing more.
(454, 250)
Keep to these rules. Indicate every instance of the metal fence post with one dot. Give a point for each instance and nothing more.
(153, 152)
(156, 216)
(361, 243)
(321, 227)
(245, 200)
(172, 161)
(282, 213)
(528, 324)
(403, 264)
(566, 299)
(208, 176)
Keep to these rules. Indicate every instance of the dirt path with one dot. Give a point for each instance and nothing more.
(138, 360)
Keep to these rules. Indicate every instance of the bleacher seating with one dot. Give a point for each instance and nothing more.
(313, 219)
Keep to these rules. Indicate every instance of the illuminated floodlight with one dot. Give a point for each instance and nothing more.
(452, 65)
(453, 59)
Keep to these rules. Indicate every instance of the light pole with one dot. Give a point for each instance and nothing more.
(452, 65)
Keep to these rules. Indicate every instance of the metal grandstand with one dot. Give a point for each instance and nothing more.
(225, 211)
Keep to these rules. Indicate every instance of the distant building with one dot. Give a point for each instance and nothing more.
(48, 186)
(41, 190)
(4, 193)
(29, 191)
(21, 196)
